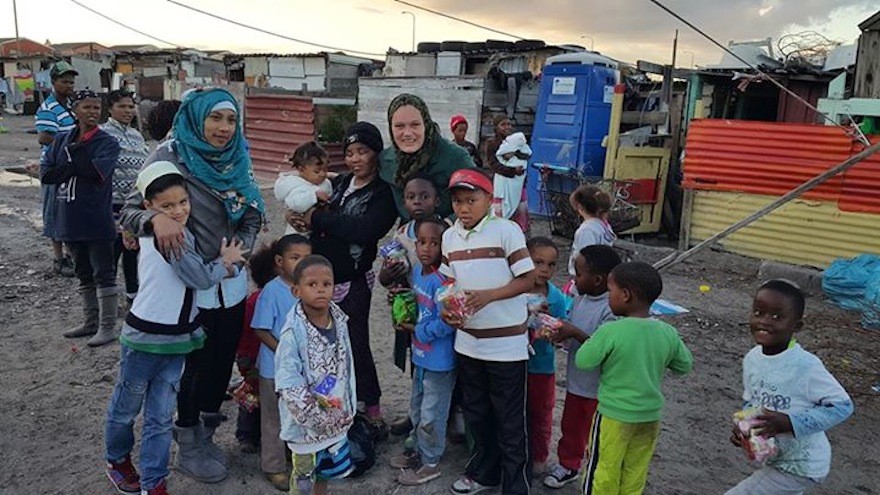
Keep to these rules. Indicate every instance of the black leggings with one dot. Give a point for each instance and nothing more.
(207, 370)
(357, 306)
(129, 265)
(93, 263)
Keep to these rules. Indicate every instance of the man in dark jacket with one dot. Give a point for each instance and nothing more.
(81, 162)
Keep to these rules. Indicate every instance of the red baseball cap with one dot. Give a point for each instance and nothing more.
(468, 178)
(455, 120)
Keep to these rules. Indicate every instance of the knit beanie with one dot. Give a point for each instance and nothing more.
(364, 133)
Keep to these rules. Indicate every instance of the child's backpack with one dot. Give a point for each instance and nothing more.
(363, 453)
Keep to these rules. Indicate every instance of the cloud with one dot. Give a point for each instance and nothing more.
(639, 29)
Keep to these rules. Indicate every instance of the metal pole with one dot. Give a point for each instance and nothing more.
(413, 28)
(17, 39)
(589, 38)
(674, 48)
(676, 258)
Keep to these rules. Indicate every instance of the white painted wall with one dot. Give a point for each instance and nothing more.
(445, 97)
(292, 72)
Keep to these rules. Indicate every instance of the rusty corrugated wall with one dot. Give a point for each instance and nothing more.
(773, 158)
(274, 126)
(738, 167)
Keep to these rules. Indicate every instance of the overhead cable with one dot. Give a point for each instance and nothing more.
(459, 19)
(748, 64)
(277, 35)
(126, 26)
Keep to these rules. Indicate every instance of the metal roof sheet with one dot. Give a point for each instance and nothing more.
(802, 232)
(773, 158)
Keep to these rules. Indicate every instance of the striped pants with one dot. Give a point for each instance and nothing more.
(619, 456)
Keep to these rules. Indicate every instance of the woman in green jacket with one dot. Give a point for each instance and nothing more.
(418, 148)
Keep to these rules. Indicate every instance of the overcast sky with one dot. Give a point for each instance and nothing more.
(625, 29)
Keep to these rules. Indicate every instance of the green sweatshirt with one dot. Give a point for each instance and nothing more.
(633, 354)
(447, 158)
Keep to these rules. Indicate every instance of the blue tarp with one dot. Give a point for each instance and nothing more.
(854, 284)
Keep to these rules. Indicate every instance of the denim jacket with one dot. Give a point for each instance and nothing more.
(300, 365)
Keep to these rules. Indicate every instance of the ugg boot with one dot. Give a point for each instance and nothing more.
(211, 422)
(89, 299)
(192, 459)
(108, 309)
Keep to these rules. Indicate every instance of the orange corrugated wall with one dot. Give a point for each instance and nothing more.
(773, 158)
(274, 126)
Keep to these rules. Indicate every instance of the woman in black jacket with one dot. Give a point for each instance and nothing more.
(347, 231)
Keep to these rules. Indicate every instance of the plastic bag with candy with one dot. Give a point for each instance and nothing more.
(758, 448)
(323, 393)
(454, 301)
(543, 325)
(403, 308)
(394, 251)
(245, 396)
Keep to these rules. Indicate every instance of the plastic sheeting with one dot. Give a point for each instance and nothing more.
(854, 284)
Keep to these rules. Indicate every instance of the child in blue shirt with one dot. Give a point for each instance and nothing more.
(274, 303)
(799, 398)
(433, 359)
(541, 389)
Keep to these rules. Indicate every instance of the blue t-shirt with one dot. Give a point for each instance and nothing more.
(270, 313)
(53, 117)
(544, 360)
(433, 340)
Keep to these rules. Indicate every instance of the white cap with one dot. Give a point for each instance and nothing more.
(152, 172)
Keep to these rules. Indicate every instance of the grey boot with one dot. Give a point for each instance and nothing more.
(107, 324)
(192, 459)
(89, 298)
(211, 421)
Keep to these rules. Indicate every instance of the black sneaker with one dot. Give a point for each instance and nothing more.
(378, 429)
(401, 428)
(559, 477)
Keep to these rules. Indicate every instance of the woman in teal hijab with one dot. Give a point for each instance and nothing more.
(209, 149)
(207, 129)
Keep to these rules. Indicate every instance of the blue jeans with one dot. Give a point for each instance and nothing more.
(151, 381)
(429, 411)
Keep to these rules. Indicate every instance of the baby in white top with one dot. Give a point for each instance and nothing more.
(307, 184)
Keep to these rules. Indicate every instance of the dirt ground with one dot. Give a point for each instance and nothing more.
(54, 391)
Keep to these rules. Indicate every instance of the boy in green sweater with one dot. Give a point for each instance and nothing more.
(633, 353)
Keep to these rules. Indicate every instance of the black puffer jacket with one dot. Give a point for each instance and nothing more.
(348, 232)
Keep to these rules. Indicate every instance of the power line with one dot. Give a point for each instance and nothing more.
(791, 93)
(114, 21)
(469, 23)
(264, 31)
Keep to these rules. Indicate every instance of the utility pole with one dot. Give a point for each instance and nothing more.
(674, 48)
(406, 12)
(17, 39)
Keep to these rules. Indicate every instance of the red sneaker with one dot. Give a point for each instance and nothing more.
(124, 476)
(159, 490)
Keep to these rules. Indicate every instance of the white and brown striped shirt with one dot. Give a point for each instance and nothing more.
(489, 256)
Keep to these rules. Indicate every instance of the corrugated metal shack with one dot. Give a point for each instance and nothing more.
(867, 84)
(736, 167)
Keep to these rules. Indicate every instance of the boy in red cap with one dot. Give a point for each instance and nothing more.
(486, 256)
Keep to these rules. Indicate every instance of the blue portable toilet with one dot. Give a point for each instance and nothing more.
(574, 110)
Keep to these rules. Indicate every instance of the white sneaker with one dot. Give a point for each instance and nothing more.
(465, 485)
(559, 477)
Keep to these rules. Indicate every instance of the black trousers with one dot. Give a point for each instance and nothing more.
(207, 370)
(494, 405)
(357, 306)
(93, 263)
(129, 265)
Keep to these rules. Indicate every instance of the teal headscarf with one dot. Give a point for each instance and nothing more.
(226, 170)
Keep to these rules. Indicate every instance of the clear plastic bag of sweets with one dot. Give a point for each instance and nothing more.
(759, 449)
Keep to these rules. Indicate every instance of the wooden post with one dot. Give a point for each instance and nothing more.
(676, 258)
(613, 139)
(687, 211)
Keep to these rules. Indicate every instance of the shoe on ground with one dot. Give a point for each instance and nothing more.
(559, 477)
(401, 427)
(420, 476)
(465, 485)
(124, 476)
(407, 459)
(64, 267)
(378, 429)
(281, 481)
(160, 489)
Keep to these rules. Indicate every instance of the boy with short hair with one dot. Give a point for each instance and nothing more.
(159, 331)
(592, 265)
(633, 353)
(487, 257)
